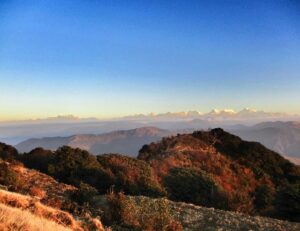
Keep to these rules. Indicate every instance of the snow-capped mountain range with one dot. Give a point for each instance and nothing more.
(215, 114)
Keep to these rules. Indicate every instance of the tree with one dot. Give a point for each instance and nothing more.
(38, 158)
(194, 186)
(85, 193)
(73, 165)
(287, 202)
(8, 152)
(132, 176)
(264, 197)
(8, 177)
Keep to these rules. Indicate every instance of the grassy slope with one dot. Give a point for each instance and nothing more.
(45, 197)
(18, 219)
(15, 202)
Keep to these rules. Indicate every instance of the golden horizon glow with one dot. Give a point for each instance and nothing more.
(14, 117)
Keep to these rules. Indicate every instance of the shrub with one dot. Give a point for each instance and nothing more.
(121, 211)
(37, 192)
(84, 194)
(194, 186)
(287, 202)
(9, 178)
(55, 203)
(74, 166)
(140, 213)
(38, 158)
(134, 177)
(264, 197)
(69, 164)
(8, 152)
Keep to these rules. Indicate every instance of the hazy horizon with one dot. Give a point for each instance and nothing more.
(196, 113)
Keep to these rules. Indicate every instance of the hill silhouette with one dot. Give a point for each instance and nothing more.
(123, 141)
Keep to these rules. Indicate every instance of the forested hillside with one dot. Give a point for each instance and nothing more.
(205, 168)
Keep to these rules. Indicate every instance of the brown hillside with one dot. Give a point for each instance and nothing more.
(238, 167)
(41, 195)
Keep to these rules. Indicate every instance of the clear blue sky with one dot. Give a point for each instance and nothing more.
(113, 58)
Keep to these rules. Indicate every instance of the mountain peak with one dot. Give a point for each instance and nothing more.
(248, 111)
(218, 114)
(222, 112)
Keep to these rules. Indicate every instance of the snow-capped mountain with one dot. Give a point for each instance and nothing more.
(215, 114)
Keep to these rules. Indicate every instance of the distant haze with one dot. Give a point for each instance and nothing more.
(14, 132)
(282, 137)
(127, 134)
(126, 142)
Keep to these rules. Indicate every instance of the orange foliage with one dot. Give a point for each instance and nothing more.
(190, 152)
(37, 192)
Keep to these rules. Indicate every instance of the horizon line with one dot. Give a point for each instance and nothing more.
(72, 117)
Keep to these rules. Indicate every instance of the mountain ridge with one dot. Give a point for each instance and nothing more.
(280, 136)
(245, 113)
(124, 141)
(215, 114)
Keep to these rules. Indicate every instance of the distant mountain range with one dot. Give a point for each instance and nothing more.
(215, 114)
(14, 132)
(282, 137)
(128, 134)
(126, 141)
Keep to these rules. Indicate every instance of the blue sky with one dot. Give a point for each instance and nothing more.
(114, 58)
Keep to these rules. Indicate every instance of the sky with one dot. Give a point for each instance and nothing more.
(113, 58)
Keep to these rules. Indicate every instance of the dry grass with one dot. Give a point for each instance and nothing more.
(14, 219)
(37, 192)
(41, 185)
(36, 208)
(47, 198)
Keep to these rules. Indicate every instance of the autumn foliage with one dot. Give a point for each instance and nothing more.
(208, 168)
